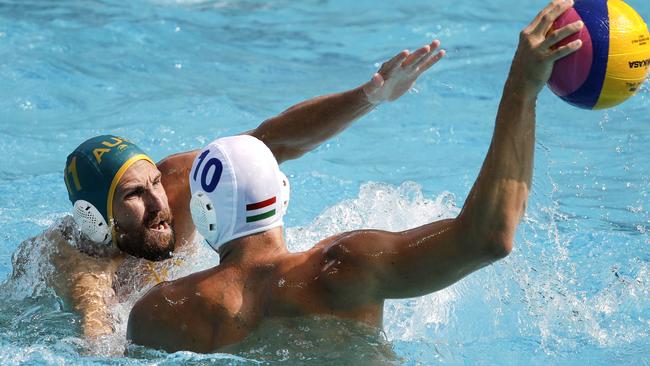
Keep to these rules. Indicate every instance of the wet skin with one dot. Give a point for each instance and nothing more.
(350, 275)
(142, 218)
(222, 305)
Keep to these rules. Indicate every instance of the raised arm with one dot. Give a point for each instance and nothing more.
(426, 259)
(306, 125)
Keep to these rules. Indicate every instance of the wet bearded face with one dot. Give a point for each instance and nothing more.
(143, 220)
(153, 239)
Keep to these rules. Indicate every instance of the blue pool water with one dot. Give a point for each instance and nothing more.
(172, 75)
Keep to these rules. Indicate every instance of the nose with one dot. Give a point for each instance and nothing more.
(156, 200)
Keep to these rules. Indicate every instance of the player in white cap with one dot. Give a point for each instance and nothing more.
(237, 203)
(127, 206)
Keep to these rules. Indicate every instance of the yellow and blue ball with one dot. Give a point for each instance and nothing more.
(614, 59)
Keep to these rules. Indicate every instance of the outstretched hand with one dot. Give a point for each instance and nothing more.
(538, 50)
(397, 75)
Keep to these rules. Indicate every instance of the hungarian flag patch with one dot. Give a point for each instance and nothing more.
(260, 210)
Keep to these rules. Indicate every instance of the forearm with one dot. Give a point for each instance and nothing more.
(498, 198)
(90, 295)
(306, 125)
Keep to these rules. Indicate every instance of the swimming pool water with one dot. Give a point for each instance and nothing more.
(173, 75)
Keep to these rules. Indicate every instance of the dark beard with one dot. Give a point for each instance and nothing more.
(146, 243)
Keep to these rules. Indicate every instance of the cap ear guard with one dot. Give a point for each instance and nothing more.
(204, 213)
(91, 222)
(204, 216)
(285, 192)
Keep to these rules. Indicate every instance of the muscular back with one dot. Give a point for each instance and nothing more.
(221, 306)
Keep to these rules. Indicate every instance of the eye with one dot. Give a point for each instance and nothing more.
(137, 192)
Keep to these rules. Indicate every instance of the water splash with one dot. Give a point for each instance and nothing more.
(537, 302)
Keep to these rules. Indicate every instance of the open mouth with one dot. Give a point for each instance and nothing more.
(161, 225)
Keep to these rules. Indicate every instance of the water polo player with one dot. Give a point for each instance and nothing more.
(108, 177)
(129, 206)
(237, 204)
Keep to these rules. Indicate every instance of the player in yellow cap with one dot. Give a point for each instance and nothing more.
(127, 206)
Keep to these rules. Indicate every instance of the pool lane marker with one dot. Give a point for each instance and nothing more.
(259, 210)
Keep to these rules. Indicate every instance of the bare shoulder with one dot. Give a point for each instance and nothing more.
(347, 247)
(177, 163)
(175, 170)
(357, 244)
(172, 316)
(347, 263)
(148, 313)
(75, 269)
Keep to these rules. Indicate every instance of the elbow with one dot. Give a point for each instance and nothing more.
(284, 153)
(494, 241)
(500, 238)
(500, 245)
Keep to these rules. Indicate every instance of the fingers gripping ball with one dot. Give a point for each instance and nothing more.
(613, 61)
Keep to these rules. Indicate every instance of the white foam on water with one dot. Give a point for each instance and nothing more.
(563, 309)
(213, 4)
(378, 206)
(34, 276)
(530, 295)
(32, 267)
(34, 355)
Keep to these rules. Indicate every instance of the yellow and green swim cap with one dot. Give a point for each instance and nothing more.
(91, 174)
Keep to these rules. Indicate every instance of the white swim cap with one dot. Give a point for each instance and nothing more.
(237, 189)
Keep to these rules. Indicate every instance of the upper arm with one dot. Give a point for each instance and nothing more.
(145, 321)
(410, 263)
(175, 170)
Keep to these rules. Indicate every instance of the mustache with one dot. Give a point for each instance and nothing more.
(156, 217)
